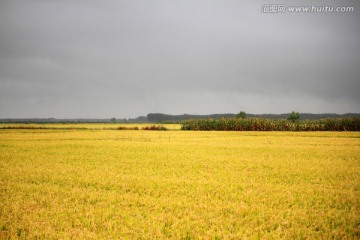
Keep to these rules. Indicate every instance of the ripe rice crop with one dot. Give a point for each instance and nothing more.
(109, 184)
(261, 124)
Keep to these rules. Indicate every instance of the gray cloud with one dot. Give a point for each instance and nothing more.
(127, 58)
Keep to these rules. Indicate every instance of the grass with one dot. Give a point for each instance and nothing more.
(89, 126)
(101, 184)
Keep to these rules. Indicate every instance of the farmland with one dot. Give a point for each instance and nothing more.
(94, 182)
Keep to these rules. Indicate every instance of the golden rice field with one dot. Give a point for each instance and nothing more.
(111, 184)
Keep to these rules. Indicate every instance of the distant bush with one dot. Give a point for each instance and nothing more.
(127, 128)
(155, 128)
(294, 116)
(262, 124)
(241, 114)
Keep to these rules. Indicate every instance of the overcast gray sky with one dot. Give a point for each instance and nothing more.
(125, 58)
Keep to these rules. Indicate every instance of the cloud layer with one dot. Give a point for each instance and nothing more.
(69, 59)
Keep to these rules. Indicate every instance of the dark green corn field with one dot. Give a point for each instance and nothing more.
(262, 124)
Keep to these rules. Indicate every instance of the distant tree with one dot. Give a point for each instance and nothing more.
(113, 120)
(294, 116)
(241, 114)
